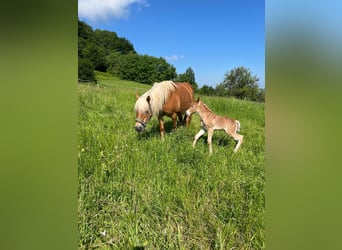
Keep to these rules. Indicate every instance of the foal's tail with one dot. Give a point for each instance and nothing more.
(237, 126)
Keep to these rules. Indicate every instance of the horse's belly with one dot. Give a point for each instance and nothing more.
(169, 110)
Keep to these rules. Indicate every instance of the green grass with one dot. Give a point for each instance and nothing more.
(135, 191)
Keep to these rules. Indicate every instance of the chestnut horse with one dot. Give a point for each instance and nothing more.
(211, 121)
(163, 99)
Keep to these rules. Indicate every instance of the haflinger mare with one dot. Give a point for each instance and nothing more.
(165, 98)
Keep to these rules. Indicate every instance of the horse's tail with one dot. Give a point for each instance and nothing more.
(237, 126)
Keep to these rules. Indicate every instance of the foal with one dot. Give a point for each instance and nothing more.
(210, 122)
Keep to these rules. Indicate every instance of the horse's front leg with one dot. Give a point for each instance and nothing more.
(198, 135)
(161, 127)
(174, 121)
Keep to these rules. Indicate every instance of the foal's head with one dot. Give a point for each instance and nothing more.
(193, 107)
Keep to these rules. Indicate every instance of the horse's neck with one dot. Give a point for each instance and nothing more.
(205, 113)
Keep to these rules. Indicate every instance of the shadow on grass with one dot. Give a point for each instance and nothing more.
(155, 132)
(219, 140)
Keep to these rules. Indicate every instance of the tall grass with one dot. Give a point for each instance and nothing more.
(135, 191)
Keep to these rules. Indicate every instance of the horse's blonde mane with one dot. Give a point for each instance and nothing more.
(158, 94)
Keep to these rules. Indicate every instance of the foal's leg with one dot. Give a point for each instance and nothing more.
(231, 130)
(187, 120)
(210, 135)
(198, 135)
(238, 138)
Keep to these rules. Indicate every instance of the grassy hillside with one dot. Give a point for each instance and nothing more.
(135, 191)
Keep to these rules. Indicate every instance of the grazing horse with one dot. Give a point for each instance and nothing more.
(163, 99)
(211, 121)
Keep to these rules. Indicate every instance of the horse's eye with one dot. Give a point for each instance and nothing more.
(146, 112)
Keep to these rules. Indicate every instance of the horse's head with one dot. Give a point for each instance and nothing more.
(143, 112)
(193, 107)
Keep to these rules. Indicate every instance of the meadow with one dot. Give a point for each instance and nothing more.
(136, 192)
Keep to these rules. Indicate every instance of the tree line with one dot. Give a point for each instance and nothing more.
(239, 83)
(105, 51)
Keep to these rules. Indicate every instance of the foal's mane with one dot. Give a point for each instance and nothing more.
(205, 106)
(159, 93)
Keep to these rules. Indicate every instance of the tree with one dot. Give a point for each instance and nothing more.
(110, 42)
(142, 68)
(113, 60)
(206, 90)
(220, 90)
(99, 46)
(84, 30)
(96, 55)
(261, 95)
(188, 76)
(240, 83)
(85, 70)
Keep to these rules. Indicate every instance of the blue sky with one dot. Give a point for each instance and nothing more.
(211, 37)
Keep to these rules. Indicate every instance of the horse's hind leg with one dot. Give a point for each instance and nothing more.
(232, 132)
(180, 118)
(239, 139)
(198, 135)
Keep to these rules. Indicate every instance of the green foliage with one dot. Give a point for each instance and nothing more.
(85, 70)
(113, 60)
(110, 42)
(135, 191)
(261, 95)
(96, 55)
(85, 31)
(220, 90)
(188, 76)
(98, 46)
(240, 83)
(206, 90)
(143, 68)
(108, 52)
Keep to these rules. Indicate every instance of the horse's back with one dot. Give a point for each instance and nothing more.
(180, 99)
(186, 94)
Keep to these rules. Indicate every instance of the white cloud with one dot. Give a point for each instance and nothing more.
(174, 58)
(104, 9)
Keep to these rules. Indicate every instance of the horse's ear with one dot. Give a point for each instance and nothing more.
(136, 94)
(198, 99)
(148, 99)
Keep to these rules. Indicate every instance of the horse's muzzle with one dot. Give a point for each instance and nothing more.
(139, 125)
(139, 128)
